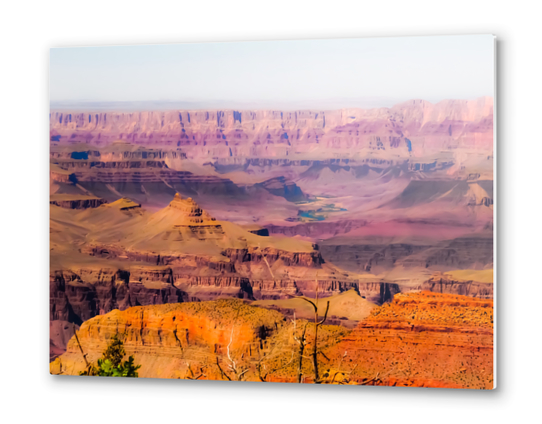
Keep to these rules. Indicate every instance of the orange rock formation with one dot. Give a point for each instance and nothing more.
(422, 339)
(167, 338)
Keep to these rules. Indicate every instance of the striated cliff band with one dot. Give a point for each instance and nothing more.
(420, 339)
(415, 126)
(119, 255)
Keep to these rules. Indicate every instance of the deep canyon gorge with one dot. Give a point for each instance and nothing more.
(386, 213)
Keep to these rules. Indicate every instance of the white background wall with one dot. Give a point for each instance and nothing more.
(29, 29)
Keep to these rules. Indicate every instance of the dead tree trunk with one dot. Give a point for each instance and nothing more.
(316, 325)
(301, 342)
(87, 365)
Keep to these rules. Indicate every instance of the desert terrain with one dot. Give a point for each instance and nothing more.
(213, 242)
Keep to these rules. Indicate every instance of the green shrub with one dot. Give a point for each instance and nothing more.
(111, 364)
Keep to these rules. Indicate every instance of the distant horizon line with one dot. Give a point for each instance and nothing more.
(168, 105)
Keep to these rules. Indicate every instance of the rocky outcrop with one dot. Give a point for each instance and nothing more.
(317, 229)
(365, 256)
(118, 152)
(465, 288)
(107, 178)
(378, 292)
(78, 296)
(166, 338)
(81, 165)
(435, 165)
(81, 203)
(126, 204)
(202, 288)
(263, 232)
(486, 201)
(388, 255)
(423, 339)
(280, 186)
(255, 256)
(251, 256)
(154, 181)
(466, 252)
(225, 165)
(420, 339)
(193, 214)
(60, 175)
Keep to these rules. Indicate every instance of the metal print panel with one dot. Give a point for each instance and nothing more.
(315, 212)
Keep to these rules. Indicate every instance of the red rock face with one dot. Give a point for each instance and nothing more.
(423, 339)
(415, 125)
(166, 338)
(420, 339)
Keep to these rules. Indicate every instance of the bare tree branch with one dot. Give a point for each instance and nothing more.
(192, 376)
(221, 370)
(301, 342)
(267, 263)
(88, 366)
(316, 325)
(325, 316)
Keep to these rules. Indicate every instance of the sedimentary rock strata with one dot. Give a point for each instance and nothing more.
(423, 339)
(153, 210)
(439, 284)
(76, 202)
(406, 127)
(168, 337)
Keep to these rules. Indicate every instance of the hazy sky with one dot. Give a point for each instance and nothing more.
(317, 73)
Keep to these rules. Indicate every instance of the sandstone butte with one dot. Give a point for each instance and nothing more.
(118, 255)
(419, 339)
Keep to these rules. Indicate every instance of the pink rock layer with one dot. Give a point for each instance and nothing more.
(414, 127)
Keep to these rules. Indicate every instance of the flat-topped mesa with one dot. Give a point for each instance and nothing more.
(194, 214)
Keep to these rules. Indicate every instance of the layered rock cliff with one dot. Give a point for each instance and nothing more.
(76, 202)
(470, 287)
(126, 257)
(413, 126)
(420, 339)
(473, 251)
(280, 186)
(166, 338)
(317, 229)
(77, 297)
(423, 339)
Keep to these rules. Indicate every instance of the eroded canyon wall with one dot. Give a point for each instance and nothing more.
(415, 127)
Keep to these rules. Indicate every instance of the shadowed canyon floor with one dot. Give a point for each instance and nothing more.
(154, 213)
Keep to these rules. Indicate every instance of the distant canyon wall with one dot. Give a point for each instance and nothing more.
(415, 127)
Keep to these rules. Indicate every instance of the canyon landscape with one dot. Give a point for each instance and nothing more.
(348, 245)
